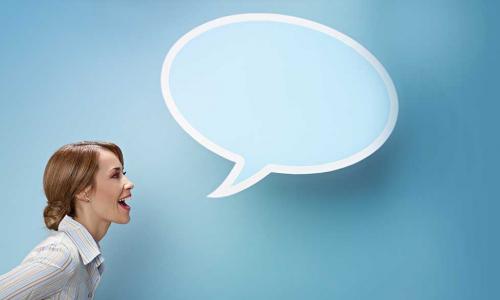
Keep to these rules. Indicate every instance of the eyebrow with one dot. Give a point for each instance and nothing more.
(116, 168)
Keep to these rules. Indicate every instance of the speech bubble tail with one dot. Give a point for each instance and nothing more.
(241, 177)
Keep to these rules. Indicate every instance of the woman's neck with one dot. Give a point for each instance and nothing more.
(96, 228)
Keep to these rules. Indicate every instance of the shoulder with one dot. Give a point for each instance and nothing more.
(56, 250)
(47, 270)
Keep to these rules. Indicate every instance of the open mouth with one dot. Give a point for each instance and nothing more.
(124, 204)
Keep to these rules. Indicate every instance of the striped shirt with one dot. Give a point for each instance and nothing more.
(67, 265)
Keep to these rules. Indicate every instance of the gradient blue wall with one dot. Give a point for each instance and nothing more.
(416, 220)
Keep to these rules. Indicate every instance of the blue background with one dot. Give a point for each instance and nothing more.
(416, 220)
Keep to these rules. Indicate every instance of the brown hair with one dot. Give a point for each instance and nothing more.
(69, 171)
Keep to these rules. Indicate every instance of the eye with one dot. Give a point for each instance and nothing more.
(117, 175)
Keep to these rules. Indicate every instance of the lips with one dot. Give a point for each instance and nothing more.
(124, 204)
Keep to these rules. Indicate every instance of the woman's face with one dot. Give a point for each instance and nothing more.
(111, 186)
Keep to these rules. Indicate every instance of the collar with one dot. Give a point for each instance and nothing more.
(89, 249)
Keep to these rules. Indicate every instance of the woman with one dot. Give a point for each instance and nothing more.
(86, 189)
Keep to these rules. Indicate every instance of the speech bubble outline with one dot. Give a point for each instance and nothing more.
(226, 188)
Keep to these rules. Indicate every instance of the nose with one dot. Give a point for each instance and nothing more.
(128, 184)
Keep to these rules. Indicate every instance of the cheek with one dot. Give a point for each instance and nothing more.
(106, 198)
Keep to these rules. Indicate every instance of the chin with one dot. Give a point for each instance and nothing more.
(122, 221)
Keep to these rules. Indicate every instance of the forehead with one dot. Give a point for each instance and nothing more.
(108, 160)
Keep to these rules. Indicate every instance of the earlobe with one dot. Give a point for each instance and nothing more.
(82, 196)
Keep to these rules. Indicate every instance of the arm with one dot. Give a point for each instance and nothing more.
(44, 272)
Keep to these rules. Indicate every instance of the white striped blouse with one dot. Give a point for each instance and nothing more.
(66, 265)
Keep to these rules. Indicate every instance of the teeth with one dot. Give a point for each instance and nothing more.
(123, 200)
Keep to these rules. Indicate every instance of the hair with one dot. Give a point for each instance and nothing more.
(69, 171)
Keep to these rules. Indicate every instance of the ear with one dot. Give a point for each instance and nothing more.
(84, 195)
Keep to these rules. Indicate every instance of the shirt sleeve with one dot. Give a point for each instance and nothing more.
(45, 271)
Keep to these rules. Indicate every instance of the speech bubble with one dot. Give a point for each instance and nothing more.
(276, 93)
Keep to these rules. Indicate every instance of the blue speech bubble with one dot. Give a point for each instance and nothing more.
(276, 93)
